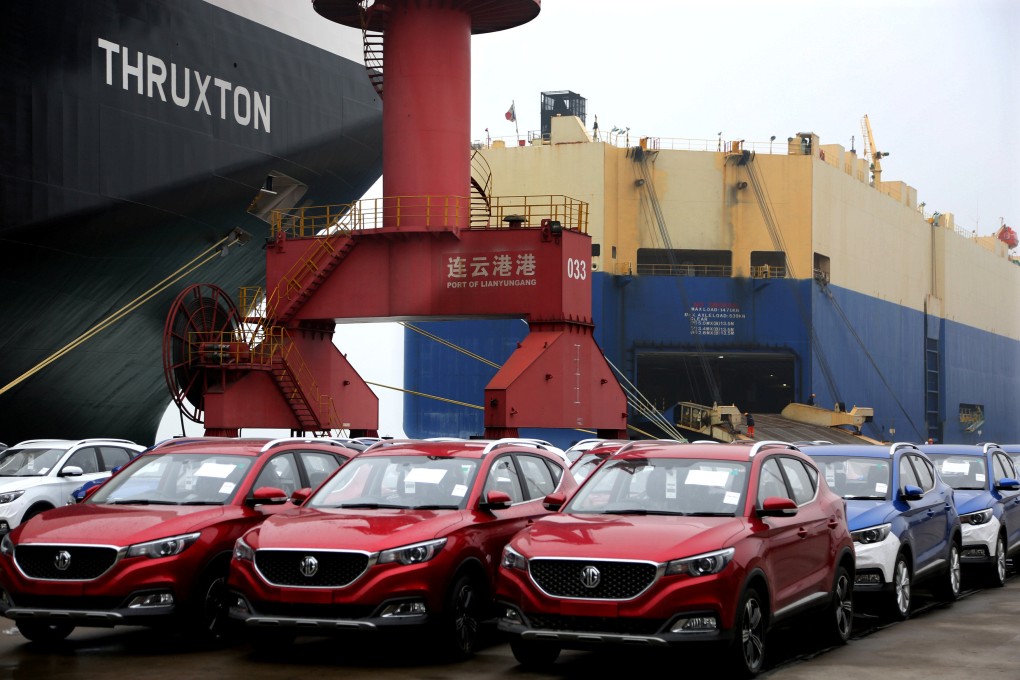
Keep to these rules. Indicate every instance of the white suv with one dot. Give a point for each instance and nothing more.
(38, 474)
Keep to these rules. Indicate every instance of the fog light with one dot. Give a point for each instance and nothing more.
(152, 600)
(695, 624)
(974, 552)
(5, 599)
(513, 616)
(415, 608)
(238, 605)
(4, 526)
(868, 579)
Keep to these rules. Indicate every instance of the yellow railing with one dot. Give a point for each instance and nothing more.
(717, 270)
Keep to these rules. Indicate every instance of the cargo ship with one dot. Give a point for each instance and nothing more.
(145, 143)
(756, 276)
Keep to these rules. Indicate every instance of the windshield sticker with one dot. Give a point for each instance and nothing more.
(731, 498)
(955, 468)
(460, 490)
(426, 475)
(707, 477)
(43, 471)
(979, 477)
(881, 487)
(227, 487)
(218, 470)
(671, 483)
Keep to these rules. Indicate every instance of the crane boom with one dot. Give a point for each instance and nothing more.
(871, 151)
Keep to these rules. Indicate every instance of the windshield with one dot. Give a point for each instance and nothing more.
(667, 486)
(585, 465)
(176, 479)
(961, 472)
(421, 482)
(28, 462)
(857, 478)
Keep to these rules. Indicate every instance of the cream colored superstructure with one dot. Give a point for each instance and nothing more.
(831, 221)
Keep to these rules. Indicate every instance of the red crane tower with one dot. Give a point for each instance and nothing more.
(436, 246)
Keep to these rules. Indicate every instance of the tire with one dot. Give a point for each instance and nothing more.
(534, 655)
(995, 575)
(838, 621)
(209, 621)
(947, 588)
(899, 601)
(45, 632)
(462, 617)
(747, 651)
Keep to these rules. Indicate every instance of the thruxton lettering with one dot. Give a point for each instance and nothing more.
(148, 75)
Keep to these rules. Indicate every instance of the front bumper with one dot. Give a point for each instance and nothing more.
(979, 542)
(875, 564)
(406, 611)
(146, 608)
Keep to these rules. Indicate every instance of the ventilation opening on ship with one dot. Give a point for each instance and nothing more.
(758, 382)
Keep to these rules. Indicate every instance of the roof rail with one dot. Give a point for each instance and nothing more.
(516, 441)
(899, 445)
(990, 445)
(385, 443)
(40, 441)
(328, 441)
(640, 443)
(758, 446)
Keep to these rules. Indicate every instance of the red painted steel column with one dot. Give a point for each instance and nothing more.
(426, 118)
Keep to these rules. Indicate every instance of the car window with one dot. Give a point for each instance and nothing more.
(800, 480)
(318, 466)
(85, 459)
(1003, 467)
(537, 476)
(907, 474)
(771, 483)
(280, 472)
(503, 477)
(113, 457)
(925, 472)
(961, 471)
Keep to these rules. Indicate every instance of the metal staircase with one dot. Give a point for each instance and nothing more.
(481, 191)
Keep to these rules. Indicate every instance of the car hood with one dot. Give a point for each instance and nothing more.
(972, 500)
(120, 525)
(368, 530)
(658, 538)
(861, 514)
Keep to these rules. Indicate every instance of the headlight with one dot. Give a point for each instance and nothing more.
(871, 534)
(979, 517)
(513, 559)
(9, 496)
(6, 545)
(243, 551)
(701, 565)
(164, 547)
(413, 554)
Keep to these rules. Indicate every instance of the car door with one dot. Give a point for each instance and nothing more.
(787, 560)
(927, 516)
(816, 536)
(1002, 467)
(87, 458)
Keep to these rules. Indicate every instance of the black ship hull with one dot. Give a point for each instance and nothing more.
(136, 134)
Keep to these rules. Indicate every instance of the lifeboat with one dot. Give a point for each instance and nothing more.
(1008, 236)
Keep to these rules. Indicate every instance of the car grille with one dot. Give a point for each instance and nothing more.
(83, 563)
(333, 569)
(595, 624)
(616, 580)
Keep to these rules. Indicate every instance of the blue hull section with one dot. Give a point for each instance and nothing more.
(755, 343)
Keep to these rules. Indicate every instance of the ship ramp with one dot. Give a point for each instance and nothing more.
(797, 423)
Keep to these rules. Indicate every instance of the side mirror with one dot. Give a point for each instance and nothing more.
(301, 495)
(912, 493)
(71, 471)
(496, 500)
(1007, 484)
(774, 506)
(267, 495)
(90, 492)
(554, 501)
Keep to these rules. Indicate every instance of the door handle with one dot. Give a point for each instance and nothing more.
(802, 532)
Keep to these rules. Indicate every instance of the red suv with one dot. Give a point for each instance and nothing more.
(408, 533)
(153, 543)
(669, 543)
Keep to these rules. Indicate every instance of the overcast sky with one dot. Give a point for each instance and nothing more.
(938, 79)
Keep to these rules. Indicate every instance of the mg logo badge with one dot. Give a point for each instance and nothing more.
(309, 566)
(590, 577)
(62, 560)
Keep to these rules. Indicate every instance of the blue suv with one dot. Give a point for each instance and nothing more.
(987, 494)
(902, 519)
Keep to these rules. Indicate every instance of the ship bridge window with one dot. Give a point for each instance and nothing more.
(679, 262)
